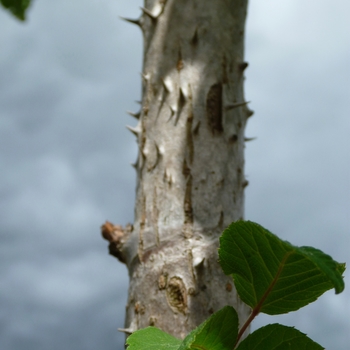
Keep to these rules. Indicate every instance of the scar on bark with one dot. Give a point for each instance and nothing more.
(139, 308)
(214, 109)
(152, 321)
(116, 235)
(177, 295)
(162, 281)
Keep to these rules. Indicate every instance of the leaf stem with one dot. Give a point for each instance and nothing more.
(254, 313)
(257, 308)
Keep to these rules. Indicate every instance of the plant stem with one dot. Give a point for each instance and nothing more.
(257, 308)
(254, 313)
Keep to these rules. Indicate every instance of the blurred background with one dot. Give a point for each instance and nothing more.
(67, 76)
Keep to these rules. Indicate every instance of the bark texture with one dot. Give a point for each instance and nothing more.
(190, 167)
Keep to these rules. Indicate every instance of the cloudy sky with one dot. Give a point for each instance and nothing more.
(68, 75)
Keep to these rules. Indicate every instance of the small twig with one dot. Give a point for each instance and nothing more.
(116, 236)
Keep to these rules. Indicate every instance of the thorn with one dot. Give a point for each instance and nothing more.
(149, 13)
(249, 112)
(235, 105)
(180, 104)
(242, 66)
(247, 139)
(135, 115)
(133, 21)
(172, 112)
(161, 150)
(159, 8)
(139, 102)
(157, 149)
(135, 130)
(185, 92)
(188, 92)
(145, 76)
(165, 86)
(163, 96)
(196, 128)
(134, 165)
(168, 85)
(183, 95)
(125, 330)
(180, 62)
(194, 40)
(151, 167)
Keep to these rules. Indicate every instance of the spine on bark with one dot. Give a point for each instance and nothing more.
(190, 181)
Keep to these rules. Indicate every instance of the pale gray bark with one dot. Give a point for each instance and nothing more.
(190, 167)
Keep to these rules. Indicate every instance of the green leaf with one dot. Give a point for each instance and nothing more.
(152, 338)
(16, 7)
(273, 276)
(218, 332)
(278, 337)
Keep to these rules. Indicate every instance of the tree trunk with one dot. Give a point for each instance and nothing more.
(190, 166)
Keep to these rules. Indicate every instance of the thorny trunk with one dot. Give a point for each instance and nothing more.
(190, 166)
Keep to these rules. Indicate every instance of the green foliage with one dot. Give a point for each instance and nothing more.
(278, 337)
(16, 7)
(218, 332)
(152, 338)
(271, 276)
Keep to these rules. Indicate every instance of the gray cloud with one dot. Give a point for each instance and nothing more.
(68, 75)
